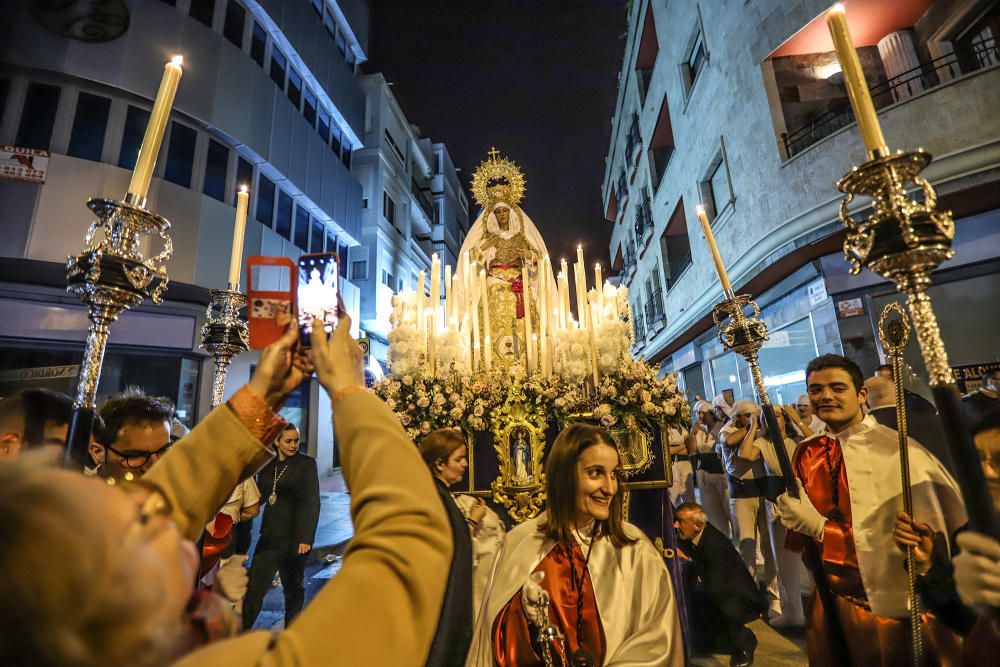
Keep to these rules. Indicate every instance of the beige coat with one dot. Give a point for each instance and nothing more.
(383, 605)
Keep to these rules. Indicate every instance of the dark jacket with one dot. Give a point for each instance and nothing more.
(454, 630)
(923, 427)
(293, 518)
(976, 404)
(724, 576)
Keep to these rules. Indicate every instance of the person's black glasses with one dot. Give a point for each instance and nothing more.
(133, 459)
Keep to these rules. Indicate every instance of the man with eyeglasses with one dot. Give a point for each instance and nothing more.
(134, 433)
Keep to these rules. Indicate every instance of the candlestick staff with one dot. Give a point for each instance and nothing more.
(894, 334)
(224, 334)
(903, 240)
(745, 334)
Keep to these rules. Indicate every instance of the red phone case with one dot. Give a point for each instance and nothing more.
(263, 305)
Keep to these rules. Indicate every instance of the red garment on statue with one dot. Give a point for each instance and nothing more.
(513, 644)
(871, 640)
(516, 287)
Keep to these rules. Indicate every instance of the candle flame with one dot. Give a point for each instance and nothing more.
(699, 209)
(838, 7)
(243, 189)
(597, 266)
(177, 60)
(580, 247)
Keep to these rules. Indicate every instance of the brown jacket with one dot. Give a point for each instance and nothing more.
(383, 605)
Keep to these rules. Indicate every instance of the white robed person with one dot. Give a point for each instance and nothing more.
(609, 595)
(504, 243)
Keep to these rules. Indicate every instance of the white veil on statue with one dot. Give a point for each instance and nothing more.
(518, 220)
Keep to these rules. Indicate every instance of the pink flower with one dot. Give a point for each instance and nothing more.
(608, 420)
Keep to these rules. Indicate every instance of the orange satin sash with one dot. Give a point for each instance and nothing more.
(513, 643)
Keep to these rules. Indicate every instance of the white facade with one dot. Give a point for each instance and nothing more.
(708, 94)
(413, 207)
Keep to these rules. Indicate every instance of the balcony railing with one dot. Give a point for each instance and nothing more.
(643, 223)
(984, 53)
(633, 141)
(622, 191)
(654, 309)
(630, 263)
(422, 199)
(640, 328)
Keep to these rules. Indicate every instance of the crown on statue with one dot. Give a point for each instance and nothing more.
(497, 179)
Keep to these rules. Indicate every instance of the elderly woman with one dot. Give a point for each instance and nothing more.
(476, 531)
(122, 598)
(608, 592)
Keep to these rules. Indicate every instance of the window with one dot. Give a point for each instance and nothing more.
(202, 11)
(38, 116)
(265, 200)
(216, 170)
(244, 173)
(345, 156)
(388, 208)
(294, 88)
(302, 228)
(283, 218)
(675, 246)
(89, 125)
(323, 124)
(696, 59)
(335, 139)
(258, 44)
(316, 235)
(331, 241)
(716, 190)
(309, 108)
(389, 280)
(180, 155)
(364, 202)
(359, 270)
(342, 259)
(135, 127)
(232, 29)
(278, 63)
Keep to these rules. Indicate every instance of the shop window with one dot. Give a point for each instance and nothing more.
(265, 200)
(301, 237)
(784, 358)
(244, 174)
(136, 120)
(359, 270)
(180, 155)
(232, 28)
(294, 88)
(216, 170)
(323, 124)
(316, 235)
(258, 44)
(309, 108)
(202, 11)
(38, 116)
(89, 126)
(278, 64)
(388, 208)
(283, 216)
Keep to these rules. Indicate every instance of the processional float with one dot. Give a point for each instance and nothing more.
(113, 274)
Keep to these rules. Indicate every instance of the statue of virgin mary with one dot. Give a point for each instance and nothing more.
(503, 241)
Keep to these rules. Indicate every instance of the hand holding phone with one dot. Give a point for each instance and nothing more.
(318, 292)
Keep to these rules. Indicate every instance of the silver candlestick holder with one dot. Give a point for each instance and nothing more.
(224, 334)
(111, 275)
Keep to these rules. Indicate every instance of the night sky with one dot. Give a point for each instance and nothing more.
(535, 78)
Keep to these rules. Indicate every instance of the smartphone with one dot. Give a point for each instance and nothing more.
(318, 292)
(271, 283)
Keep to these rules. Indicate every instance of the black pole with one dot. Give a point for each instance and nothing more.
(81, 428)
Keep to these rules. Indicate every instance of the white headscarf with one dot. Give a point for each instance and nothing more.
(720, 402)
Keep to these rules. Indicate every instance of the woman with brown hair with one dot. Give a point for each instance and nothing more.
(608, 591)
(476, 532)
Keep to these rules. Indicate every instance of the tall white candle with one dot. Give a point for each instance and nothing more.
(239, 232)
(484, 296)
(448, 314)
(155, 128)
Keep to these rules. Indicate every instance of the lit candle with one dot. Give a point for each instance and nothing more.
(239, 231)
(474, 309)
(854, 81)
(448, 314)
(593, 350)
(599, 286)
(143, 172)
(564, 297)
(526, 297)
(484, 296)
(543, 314)
(435, 291)
(727, 287)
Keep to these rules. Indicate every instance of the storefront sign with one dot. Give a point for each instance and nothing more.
(970, 377)
(777, 339)
(40, 373)
(23, 164)
(850, 308)
(817, 293)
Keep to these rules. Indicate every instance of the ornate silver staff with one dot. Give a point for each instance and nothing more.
(895, 334)
(224, 335)
(745, 334)
(111, 274)
(904, 240)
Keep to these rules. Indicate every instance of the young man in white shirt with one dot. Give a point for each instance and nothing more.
(711, 476)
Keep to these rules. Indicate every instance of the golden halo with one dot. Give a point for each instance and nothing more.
(497, 179)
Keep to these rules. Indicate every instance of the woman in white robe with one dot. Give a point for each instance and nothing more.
(608, 588)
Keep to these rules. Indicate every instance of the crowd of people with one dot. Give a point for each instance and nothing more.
(157, 530)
